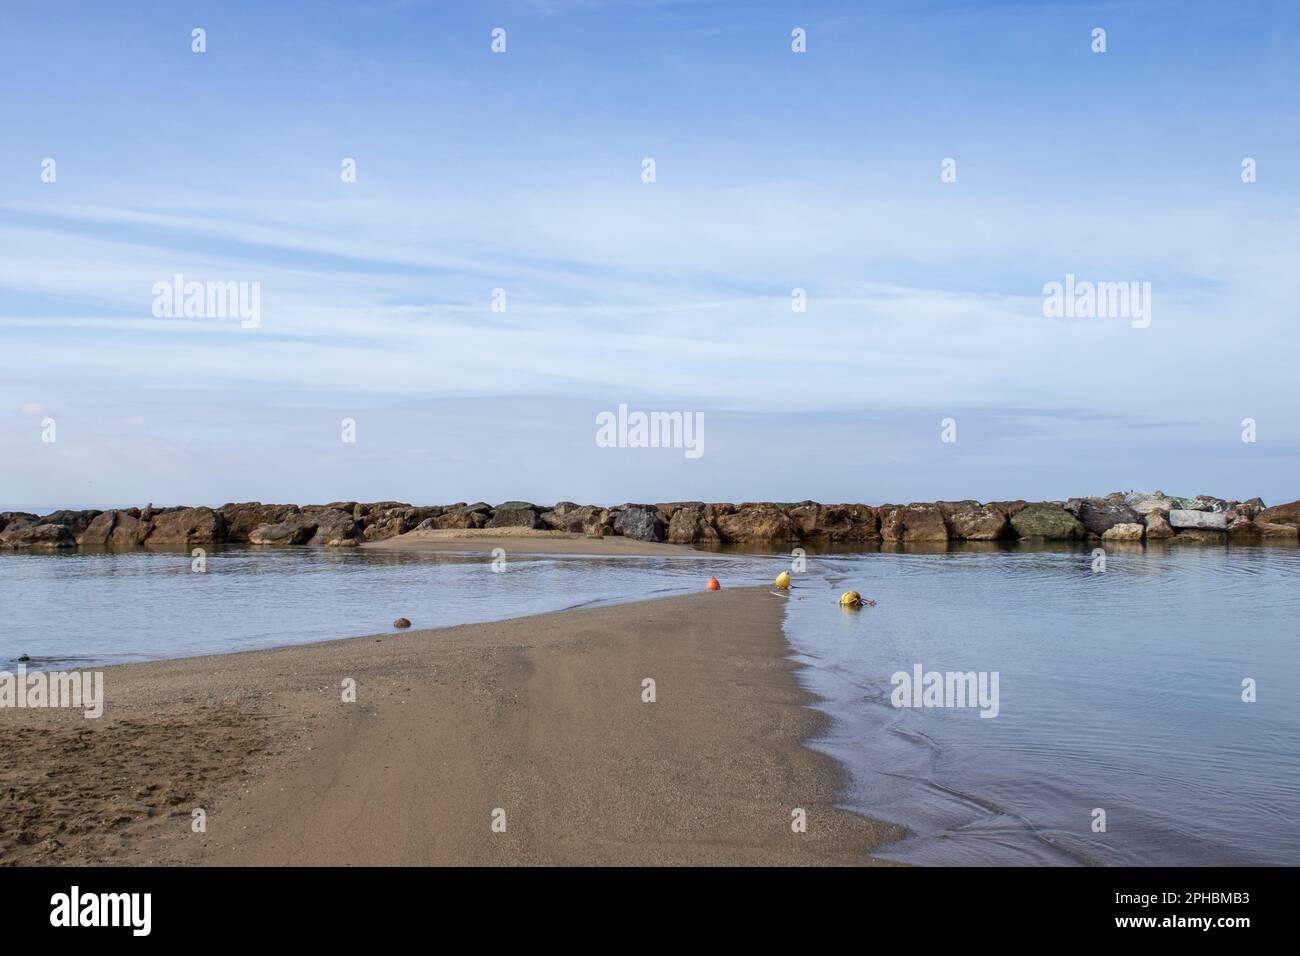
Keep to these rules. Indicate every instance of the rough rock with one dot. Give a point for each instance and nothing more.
(1127, 531)
(24, 535)
(298, 529)
(1158, 525)
(665, 510)
(638, 521)
(75, 521)
(515, 514)
(1281, 514)
(691, 523)
(576, 519)
(754, 523)
(1144, 503)
(1210, 520)
(1048, 522)
(99, 531)
(917, 522)
(401, 622)
(115, 529)
(184, 527)
(11, 517)
(950, 508)
(335, 529)
(834, 523)
(242, 517)
(1098, 515)
(980, 523)
(459, 518)
(1279, 532)
(378, 524)
(1241, 527)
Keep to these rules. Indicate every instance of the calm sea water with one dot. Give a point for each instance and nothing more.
(1118, 691)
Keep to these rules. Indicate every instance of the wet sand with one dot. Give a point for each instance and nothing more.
(538, 721)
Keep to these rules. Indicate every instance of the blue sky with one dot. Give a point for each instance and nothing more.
(522, 170)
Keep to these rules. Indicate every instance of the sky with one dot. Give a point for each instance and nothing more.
(523, 171)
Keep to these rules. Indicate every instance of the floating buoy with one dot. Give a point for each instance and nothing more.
(713, 585)
(783, 580)
(850, 599)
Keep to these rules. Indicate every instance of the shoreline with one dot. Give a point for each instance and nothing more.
(539, 716)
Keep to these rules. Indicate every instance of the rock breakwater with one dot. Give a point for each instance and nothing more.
(1121, 516)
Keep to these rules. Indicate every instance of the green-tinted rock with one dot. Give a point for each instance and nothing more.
(1048, 522)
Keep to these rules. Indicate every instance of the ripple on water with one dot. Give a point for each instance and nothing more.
(1119, 691)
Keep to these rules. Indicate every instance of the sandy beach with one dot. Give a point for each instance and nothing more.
(538, 721)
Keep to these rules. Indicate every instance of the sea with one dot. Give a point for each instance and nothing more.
(1146, 712)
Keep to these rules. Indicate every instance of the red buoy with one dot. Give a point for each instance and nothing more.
(714, 585)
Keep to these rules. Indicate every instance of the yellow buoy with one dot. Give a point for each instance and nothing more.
(783, 580)
(850, 599)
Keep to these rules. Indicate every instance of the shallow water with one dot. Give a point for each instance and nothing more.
(108, 608)
(1118, 690)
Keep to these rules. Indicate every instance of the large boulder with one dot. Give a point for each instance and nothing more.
(979, 523)
(1158, 526)
(463, 518)
(1146, 502)
(516, 514)
(666, 509)
(1277, 532)
(756, 523)
(834, 523)
(297, 529)
(638, 521)
(115, 529)
(1251, 508)
(184, 527)
(950, 508)
(242, 517)
(75, 521)
(806, 516)
(99, 531)
(22, 534)
(13, 517)
(573, 518)
(1182, 518)
(379, 524)
(1048, 522)
(1128, 531)
(915, 523)
(335, 529)
(1099, 515)
(1281, 514)
(692, 523)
